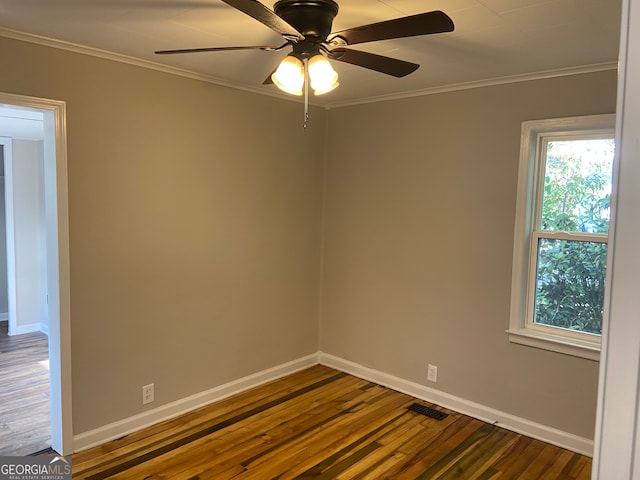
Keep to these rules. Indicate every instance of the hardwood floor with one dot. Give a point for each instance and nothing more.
(24, 393)
(323, 424)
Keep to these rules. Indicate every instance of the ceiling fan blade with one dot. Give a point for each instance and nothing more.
(218, 49)
(260, 12)
(373, 61)
(420, 24)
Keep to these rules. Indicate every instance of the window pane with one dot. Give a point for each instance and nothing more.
(570, 284)
(577, 185)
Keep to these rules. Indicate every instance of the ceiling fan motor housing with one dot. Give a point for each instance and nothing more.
(312, 18)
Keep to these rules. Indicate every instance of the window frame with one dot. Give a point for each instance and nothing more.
(534, 136)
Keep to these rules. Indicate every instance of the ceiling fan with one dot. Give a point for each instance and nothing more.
(306, 27)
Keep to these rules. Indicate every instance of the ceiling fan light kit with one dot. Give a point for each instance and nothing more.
(292, 72)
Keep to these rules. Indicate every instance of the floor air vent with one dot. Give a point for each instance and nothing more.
(428, 411)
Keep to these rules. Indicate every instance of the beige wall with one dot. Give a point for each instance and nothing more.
(194, 228)
(420, 204)
(195, 231)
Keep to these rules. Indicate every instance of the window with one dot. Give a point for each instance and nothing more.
(562, 227)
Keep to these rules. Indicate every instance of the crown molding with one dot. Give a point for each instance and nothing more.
(117, 57)
(121, 58)
(525, 77)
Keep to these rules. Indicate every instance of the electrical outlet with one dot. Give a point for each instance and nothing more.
(147, 394)
(432, 373)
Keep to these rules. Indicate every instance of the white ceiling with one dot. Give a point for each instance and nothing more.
(493, 39)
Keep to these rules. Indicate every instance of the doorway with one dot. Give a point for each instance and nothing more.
(51, 310)
(24, 352)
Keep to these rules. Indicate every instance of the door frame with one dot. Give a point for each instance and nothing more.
(58, 283)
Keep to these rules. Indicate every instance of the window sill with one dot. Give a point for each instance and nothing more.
(556, 343)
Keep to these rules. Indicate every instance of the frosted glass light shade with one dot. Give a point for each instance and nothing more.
(289, 76)
(322, 76)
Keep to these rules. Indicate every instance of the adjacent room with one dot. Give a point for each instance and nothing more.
(213, 234)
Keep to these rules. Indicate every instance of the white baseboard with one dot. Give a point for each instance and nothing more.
(28, 328)
(129, 425)
(520, 425)
(4, 317)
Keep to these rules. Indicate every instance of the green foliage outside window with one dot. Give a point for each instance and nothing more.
(570, 284)
(576, 198)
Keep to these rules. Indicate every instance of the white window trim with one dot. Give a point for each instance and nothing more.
(533, 132)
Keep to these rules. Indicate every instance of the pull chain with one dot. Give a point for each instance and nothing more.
(306, 95)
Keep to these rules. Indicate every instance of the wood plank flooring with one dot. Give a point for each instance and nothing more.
(25, 425)
(323, 424)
